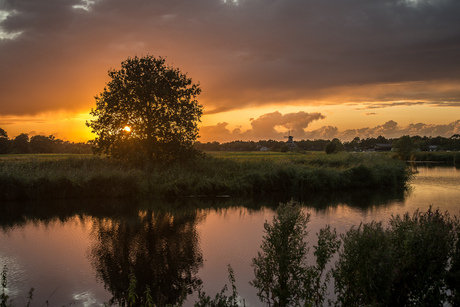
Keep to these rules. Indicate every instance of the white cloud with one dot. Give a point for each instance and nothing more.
(4, 34)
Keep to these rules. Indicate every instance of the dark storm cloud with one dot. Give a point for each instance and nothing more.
(244, 53)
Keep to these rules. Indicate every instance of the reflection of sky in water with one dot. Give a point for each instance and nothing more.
(52, 257)
(233, 236)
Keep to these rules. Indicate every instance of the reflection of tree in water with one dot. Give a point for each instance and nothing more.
(160, 249)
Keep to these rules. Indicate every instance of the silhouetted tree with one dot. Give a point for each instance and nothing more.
(315, 145)
(20, 144)
(404, 147)
(382, 140)
(209, 146)
(42, 144)
(240, 146)
(156, 102)
(334, 146)
(4, 142)
(354, 145)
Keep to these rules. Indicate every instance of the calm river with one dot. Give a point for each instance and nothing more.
(83, 254)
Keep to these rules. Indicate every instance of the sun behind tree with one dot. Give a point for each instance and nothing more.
(147, 112)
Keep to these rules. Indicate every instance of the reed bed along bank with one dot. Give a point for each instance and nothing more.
(47, 177)
(448, 157)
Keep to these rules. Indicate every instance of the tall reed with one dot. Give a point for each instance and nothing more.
(93, 176)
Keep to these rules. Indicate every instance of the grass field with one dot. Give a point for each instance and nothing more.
(242, 155)
(40, 157)
(223, 173)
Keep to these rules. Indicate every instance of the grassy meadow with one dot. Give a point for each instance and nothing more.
(215, 174)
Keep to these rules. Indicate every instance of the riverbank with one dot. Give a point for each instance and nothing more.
(87, 176)
(447, 157)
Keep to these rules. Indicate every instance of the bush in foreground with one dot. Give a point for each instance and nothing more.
(282, 275)
(415, 261)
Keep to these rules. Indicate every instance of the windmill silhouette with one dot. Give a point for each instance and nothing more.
(290, 141)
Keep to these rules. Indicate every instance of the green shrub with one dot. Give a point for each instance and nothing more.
(282, 275)
(409, 263)
(362, 273)
(334, 146)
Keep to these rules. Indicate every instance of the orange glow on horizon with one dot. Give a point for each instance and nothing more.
(71, 127)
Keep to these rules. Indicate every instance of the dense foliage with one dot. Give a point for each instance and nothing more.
(281, 273)
(413, 262)
(404, 147)
(280, 268)
(424, 143)
(147, 112)
(334, 146)
(38, 144)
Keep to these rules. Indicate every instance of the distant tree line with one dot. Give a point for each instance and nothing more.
(23, 144)
(50, 144)
(424, 143)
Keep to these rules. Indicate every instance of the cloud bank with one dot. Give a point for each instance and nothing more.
(54, 54)
(276, 126)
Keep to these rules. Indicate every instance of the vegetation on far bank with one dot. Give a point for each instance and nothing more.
(292, 174)
(424, 143)
(452, 158)
(39, 144)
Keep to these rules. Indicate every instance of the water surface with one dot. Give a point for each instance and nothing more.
(84, 252)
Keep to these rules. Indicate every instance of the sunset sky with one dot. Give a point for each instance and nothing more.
(320, 68)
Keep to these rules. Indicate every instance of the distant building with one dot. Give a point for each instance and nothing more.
(263, 148)
(290, 142)
(433, 147)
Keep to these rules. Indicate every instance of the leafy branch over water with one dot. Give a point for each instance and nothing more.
(4, 298)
